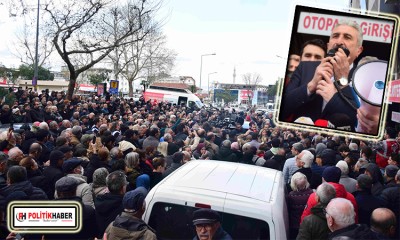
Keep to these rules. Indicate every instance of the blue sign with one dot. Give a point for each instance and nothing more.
(114, 87)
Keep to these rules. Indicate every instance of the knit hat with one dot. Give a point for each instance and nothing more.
(133, 200)
(332, 174)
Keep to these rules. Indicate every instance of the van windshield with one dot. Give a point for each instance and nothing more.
(172, 221)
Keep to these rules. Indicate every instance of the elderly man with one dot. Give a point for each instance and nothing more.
(208, 225)
(314, 226)
(340, 218)
(313, 89)
(15, 155)
(303, 162)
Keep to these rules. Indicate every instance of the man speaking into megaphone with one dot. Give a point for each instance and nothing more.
(318, 90)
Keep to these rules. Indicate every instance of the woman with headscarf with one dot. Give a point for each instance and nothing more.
(99, 185)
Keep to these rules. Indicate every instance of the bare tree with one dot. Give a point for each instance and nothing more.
(24, 45)
(83, 30)
(252, 80)
(147, 58)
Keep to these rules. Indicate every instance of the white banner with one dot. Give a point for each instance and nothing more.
(322, 24)
(396, 117)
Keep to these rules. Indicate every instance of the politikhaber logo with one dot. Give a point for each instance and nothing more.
(20, 217)
(45, 216)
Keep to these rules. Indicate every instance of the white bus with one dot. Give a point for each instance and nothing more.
(172, 95)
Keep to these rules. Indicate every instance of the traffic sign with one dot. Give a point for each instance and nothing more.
(114, 86)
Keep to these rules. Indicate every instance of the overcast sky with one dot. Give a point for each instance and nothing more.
(249, 35)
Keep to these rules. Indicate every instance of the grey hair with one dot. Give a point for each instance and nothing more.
(114, 152)
(167, 137)
(354, 25)
(343, 167)
(353, 146)
(342, 211)
(44, 125)
(76, 130)
(13, 152)
(226, 143)
(325, 193)
(307, 158)
(53, 123)
(132, 159)
(299, 182)
(115, 181)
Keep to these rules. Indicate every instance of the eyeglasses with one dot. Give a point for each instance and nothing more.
(325, 212)
(207, 226)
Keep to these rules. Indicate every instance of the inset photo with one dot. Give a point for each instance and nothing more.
(338, 72)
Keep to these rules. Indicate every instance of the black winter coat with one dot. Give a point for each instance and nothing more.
(32, 192)
(226, 154)
(107, 206)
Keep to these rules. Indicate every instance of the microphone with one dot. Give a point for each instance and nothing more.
(331, 53)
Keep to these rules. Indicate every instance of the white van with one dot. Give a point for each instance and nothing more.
(172, 95)
(250, 200)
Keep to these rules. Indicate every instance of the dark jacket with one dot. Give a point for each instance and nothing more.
(226, 154)
(32, 192)
(52, 175)
(220, 234)
(355, 231)
(314, 226)
(38, 180)
(89, 226)
(94, 164)
(36, 115)
(296, 201)
(127, 226)
(172, 168)
(314, 179)
(296, 102)
(275, 162)
(107, 206)
(367, 203)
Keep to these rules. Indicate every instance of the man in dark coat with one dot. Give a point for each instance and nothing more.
(18, 181)
(177, 161)
(366, 202)
(54, 172)
(66, 190)
(340, 218)
(36, 114)
(225, 152)
(109, 205)
(311, 91)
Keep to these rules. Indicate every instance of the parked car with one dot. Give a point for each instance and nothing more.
(250, 200)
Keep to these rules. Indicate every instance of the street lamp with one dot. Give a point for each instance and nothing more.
(201, 63)
(208, 88)
(35, 75)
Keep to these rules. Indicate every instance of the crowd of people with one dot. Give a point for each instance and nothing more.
(107, 153)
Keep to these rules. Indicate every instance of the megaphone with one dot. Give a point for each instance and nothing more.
(369, 85)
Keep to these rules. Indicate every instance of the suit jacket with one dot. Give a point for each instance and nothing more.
(297, 103)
